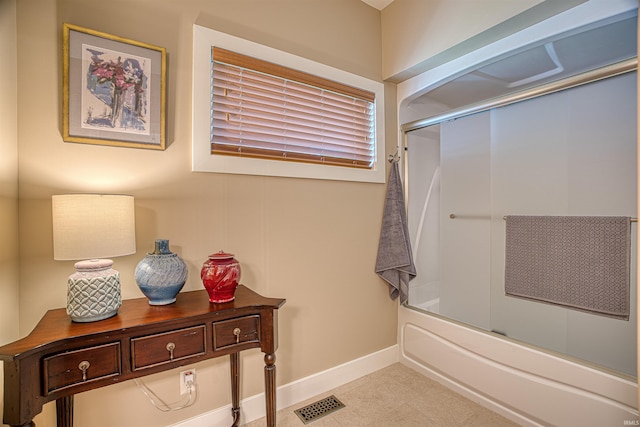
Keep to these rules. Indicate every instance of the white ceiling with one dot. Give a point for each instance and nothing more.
(378, 4)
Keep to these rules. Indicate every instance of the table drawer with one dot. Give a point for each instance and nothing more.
(166, 347)
(236, 332)
(80, 366)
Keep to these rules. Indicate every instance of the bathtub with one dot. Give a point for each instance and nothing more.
(529, 386)
(425, 296)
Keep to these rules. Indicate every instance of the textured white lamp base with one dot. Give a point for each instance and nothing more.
(93, 291)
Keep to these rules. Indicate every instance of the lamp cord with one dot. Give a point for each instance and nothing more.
(160, 404)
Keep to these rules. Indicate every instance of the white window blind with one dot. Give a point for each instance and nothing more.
(260, 109)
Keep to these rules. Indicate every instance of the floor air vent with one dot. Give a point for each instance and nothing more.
(318, 409)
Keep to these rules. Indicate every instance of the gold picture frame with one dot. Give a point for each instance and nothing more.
(114, 90)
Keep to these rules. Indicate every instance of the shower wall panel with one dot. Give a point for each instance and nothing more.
(578, 157)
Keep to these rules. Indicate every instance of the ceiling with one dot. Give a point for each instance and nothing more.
(561, 56)
(378, 4)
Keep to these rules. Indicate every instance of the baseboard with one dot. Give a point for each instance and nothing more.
(287, 395)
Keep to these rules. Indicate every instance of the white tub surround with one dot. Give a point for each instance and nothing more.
(529, 386)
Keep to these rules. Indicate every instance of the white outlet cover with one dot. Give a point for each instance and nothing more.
(183, 382)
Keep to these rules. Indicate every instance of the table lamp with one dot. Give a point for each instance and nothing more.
(90, 227)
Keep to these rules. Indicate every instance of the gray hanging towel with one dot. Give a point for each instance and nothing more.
(394, 263)
(578, 262)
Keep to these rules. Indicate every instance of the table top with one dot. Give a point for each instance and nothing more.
(56, 324)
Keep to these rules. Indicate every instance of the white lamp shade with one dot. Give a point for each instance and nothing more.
(89, 226)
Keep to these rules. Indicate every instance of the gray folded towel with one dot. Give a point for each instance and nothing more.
(394, 263)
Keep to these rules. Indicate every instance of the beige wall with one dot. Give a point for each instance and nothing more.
(421, 34)
(9, 307)
(312, 242)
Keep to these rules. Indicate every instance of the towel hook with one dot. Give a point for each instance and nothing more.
(394, 157)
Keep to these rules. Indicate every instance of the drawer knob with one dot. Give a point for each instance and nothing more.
(236, 332)
(170, 347)
(83, 366)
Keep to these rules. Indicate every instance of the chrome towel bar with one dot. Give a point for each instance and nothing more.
(454, 216)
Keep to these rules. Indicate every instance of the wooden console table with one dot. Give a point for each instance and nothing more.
(60, 358)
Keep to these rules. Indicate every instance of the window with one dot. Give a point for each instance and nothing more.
(263, 110)
(330, 128)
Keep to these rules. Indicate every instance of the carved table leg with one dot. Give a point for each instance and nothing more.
(235, 388)
(64, 411)
(270, 388)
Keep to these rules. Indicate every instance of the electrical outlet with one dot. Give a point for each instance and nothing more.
(186, 377)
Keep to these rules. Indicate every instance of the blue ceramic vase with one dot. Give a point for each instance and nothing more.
(161, 274)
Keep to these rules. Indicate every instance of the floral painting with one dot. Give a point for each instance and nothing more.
(116, 91)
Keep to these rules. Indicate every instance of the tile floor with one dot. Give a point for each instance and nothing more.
(395, 396)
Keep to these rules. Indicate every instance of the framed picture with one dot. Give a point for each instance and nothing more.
(114, 90)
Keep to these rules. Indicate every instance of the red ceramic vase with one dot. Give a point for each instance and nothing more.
(220, 275)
